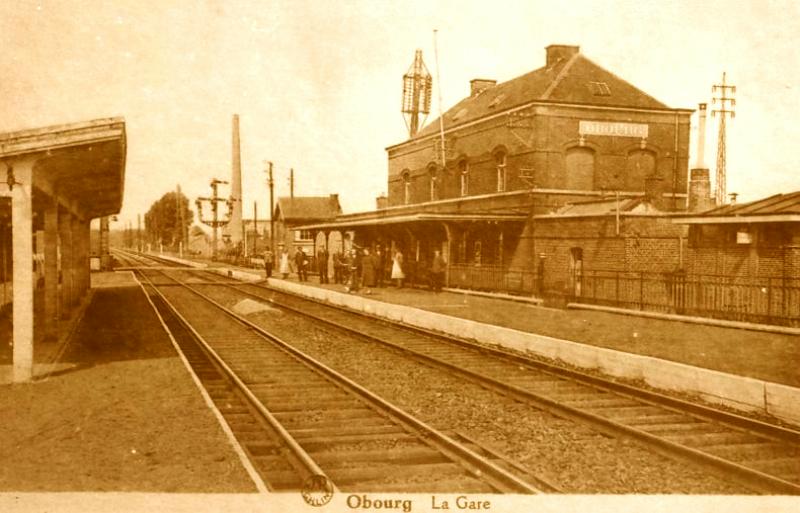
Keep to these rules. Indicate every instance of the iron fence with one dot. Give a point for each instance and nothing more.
(493, 278)
(770, 300)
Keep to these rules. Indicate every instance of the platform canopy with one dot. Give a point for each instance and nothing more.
(354, 222)
(80, 164)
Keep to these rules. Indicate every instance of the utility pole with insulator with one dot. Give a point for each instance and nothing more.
(271, 184)
(417, 85)
(727, 105)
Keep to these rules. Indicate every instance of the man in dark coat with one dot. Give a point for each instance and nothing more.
(380, 266)
(438, 268)
(269, 262)
(301, 261)
(322, 265)
(368, 270)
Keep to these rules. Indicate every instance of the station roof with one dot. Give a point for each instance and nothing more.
(773, 209)
(575, 80)
(82, 164)
(307, 208)
(377, 219)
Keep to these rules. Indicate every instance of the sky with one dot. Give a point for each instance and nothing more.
(317, 84)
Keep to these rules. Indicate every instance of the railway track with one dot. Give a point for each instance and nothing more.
(760, 456)
(307, 420)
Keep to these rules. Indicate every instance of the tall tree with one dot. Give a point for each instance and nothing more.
(164, 224)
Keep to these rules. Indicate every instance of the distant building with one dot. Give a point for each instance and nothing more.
(291, 212)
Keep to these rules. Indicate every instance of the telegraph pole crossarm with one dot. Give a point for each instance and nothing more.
(215, 222)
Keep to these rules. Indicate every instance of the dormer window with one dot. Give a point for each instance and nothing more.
(459, 115)
(599, 89)
(494, 103)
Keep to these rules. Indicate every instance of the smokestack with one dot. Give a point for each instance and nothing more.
(234, 227)
(701, 137)
(700, 198)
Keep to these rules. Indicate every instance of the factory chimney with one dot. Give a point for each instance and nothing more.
(234, 228)
(699, 181)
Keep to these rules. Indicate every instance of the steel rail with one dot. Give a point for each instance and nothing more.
(300, 457)
(746, 476)
(497, 477)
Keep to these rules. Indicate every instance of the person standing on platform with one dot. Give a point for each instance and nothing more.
(337, 267)
(284, 263)
(269, 262)
(397, 269)
(368, 270)
(438, 268)
(380, 264)
(322, 265)
(301, 261)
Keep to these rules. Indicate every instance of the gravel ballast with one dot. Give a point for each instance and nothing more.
(569, 455)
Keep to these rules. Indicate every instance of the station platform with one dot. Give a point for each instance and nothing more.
(87, 422)
(751, 370)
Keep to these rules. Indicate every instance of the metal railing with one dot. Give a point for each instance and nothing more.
(770, 300)
(493, 278)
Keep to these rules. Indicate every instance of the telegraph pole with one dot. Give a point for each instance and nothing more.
(215, 222)
(271, 184)
(726, 107)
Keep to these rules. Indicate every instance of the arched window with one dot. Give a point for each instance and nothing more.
(580, 169)
(406, 176)
(502, 173)
(640, 165)
(434, 182)
(463, 173)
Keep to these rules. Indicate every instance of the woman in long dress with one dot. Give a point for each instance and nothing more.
(397, 269)
(284, 263)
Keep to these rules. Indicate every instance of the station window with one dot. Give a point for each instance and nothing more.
(406, 187)
(502, 174)
(463, 173)
(434, 183)
(304, 235)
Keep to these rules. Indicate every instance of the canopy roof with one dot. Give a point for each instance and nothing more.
(82, 164)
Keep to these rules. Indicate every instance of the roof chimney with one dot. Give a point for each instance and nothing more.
(560, 52)
(701, 137)
(478, 85)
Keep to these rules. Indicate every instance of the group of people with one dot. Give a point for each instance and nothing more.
(354, 269)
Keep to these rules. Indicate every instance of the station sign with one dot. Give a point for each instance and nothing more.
(637, 130)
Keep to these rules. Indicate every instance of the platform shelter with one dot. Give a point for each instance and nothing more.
(53, 182)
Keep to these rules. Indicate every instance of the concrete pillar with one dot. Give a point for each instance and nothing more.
(81, 257)
(51, 268)
(22, 275)
(67, 268)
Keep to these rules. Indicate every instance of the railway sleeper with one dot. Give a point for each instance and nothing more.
(455, 485)
(366, 473)
(388, 457)
(747, 451)
(706, 439)
(300, 434)
(345, 443)
(345, 414)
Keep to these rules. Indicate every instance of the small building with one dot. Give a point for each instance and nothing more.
(743, 260)
(292, 212)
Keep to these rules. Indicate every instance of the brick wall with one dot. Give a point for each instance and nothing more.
(541, 146)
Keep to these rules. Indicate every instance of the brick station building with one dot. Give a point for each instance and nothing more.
(519, 192)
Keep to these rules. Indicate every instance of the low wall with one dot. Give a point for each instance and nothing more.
(739, 392)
